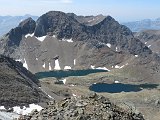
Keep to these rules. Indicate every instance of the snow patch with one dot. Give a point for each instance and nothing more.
(74, 95)
(67, 68)
(44, 65)
(121, 66)
(64, 81)
(74, 61)
(27, 35)
(99, 68)
(36, 58)
(50, 97)
(116, 49)
(41, 38)
(67, 40)
(149, 45)
(102, 68)
(145, 43)
(93, 67)
(26, 110)
(72, 85)
(25, 64)
(50, 66)
(116, 81)
(109, 45)
(8, 115)
(91, 20)
(57, 67)
(136, 55)
(117, 66)
(19, 60)
(2, 108)
(54, 36)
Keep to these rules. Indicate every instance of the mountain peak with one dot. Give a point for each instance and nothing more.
(28, 25)
(52, 13)
(109, 18)
(54, 21)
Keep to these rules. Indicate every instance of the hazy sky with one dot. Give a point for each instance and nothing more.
(121, 10)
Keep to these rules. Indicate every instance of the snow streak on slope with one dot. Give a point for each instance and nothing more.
(57, 67)
(25, 64)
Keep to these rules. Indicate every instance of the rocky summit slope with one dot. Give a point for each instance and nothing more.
(151, 38)
(91, 107)
(18, 86)
(77, 45)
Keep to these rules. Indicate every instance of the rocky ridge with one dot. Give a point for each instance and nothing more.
(151, 38)
(18, 86)
(91, 107)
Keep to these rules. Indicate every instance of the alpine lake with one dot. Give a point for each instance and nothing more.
(97, 87)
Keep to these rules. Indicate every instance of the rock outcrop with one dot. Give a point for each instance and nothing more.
(91, 107)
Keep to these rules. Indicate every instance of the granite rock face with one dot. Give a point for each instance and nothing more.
(91, 107)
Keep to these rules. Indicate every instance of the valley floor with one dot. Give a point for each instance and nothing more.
(146, 101)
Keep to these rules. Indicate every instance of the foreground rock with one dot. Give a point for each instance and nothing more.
(91, 107)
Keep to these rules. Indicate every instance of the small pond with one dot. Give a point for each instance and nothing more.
(62, 73)
(118, 87)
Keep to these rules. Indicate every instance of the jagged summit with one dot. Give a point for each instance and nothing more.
(56, 22)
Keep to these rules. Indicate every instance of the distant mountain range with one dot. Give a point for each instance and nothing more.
(146, 24)
(8, 22)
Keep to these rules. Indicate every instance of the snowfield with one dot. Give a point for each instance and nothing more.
(26, 110)
(17, 111)
(41, 39)
(8, 116)
(67, 68)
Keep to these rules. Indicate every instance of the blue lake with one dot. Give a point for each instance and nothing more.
(62, 74)
(118, 87)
